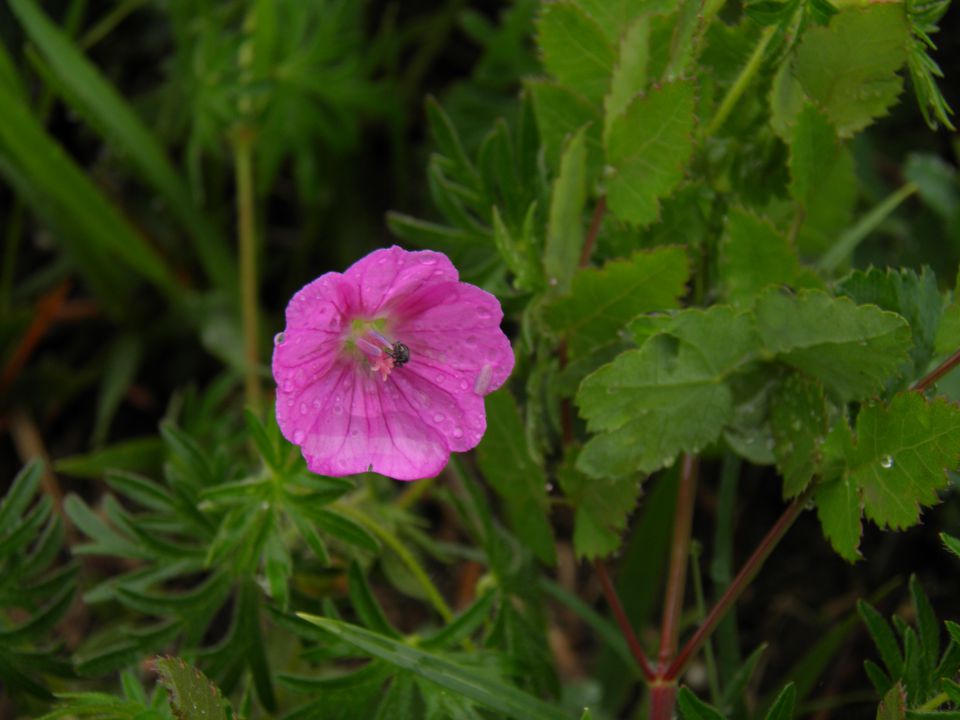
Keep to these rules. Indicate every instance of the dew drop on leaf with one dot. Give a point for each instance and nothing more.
(886, 462)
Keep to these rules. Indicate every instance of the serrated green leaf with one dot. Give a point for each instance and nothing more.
(192, 695)
(574, 49)
(602, 509)
(753, 256)
(782, 708)
(602, 301)
(648, 146)
(508, 466)
(615, 15)
(813, 150)
(798, 419)
(894, 704)
(901, 456)
(915, 297)
(630, 71)
(693, 708)
(669, 396)
(564, 243)
(486, 691)
(849, 69)
(951, 543)
(839, 511)
(852, 349)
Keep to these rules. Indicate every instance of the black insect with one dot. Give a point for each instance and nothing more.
(400, 354)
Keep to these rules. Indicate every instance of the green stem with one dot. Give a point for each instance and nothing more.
(406, 557)
(848, 242)
(933, 703)
(713, 678)
(740, 84)
(109, 21)
(247, 239)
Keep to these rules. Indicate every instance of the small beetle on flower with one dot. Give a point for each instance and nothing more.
(384, 367)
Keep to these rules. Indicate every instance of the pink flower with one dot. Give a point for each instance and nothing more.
(384, 367)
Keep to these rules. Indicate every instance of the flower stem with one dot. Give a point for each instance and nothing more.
(247, 238)
(613, 600)
(679, 557)
(938, 372)
(406, 557)
(740, 84)
(736, 588)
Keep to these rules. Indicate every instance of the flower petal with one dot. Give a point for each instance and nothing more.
(358, 425)
(384, 276)
(454, 328)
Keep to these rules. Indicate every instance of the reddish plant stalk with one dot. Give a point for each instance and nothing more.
(938, 372)
(595, 221)
(735, 589)
(679, 559)
(613, 600)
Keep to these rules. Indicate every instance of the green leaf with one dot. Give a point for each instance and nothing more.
(615, 15)
(951, 543)
(753, 256)
(849, 69)
(799, 421)
(602, 301)
(839, 509)
(915, 297)
(883, 638)
(630, 72)
(192, 695)
(565, 226)
(21, 492)
(144, 454)
(98, 239)
(365, 604)
(852, 349)
(574, 49)
(561, 113)
(782, 708)
(99, 102)
(508, 466)
(342, 527)
(813, 149)
(468, 682)
(602, 509)
(927, 625)
(894, 704)
(901, 456)
(648, 146)
(693, 708)
(669, 396)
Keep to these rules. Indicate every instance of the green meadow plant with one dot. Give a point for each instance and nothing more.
(663, 253)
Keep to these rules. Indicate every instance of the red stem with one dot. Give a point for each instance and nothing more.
(610, 592)
(736, 588)
(938, 372)
(679, 559)
(598, 211)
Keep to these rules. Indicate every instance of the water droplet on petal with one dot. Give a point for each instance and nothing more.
(483, 313)
(458, 432)
(439, 378)
(279, 338)
(464, 385)
(471, 341)
(354, 432)
(303, 409)
(438, 417)
(298, 436)
(338, 409)
(886, 462)
(429, 260)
